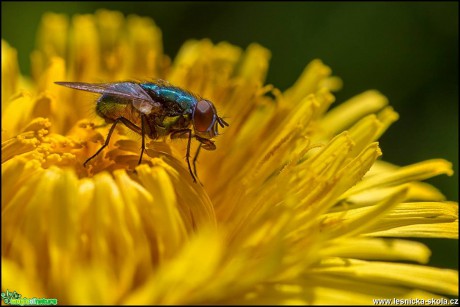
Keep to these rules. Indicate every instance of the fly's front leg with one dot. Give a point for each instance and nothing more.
(188, 154)
(182, 134)
(195, 159)
(207, 144)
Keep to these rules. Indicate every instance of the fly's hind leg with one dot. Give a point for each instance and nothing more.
(109, 135)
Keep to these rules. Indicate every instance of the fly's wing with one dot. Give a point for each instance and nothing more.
(127, 90)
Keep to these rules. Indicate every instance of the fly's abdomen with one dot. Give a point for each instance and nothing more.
(111, 108)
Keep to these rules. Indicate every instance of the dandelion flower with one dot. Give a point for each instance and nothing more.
(295, 207)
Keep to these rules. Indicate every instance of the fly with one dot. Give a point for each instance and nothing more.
(155, 109)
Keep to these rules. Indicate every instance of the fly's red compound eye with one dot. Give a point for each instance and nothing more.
(204, 116)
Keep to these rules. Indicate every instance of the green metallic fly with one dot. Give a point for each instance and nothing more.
(155, 109)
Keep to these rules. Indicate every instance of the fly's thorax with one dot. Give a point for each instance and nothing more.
(174, 100)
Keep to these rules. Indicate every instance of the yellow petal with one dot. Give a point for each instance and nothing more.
(312, 76)
(436, 280)
(344, 115)
(10, 73)
(357, 221)
(377, 249)
(422, 219)
(198, 260)
(414, 172)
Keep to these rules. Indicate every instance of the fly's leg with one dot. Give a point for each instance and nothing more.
(143, 138)
(207, 144)
(152, 133)
(188, 154)
(109, 135)
(107, 140)
(181, 134)
(195, 158)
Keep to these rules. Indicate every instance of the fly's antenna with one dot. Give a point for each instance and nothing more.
(222, 122)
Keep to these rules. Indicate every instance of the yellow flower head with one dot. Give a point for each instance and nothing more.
(294, 208)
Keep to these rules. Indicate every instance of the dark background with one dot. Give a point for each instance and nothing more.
(408, 51)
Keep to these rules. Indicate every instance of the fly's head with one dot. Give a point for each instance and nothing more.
(206, 121)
